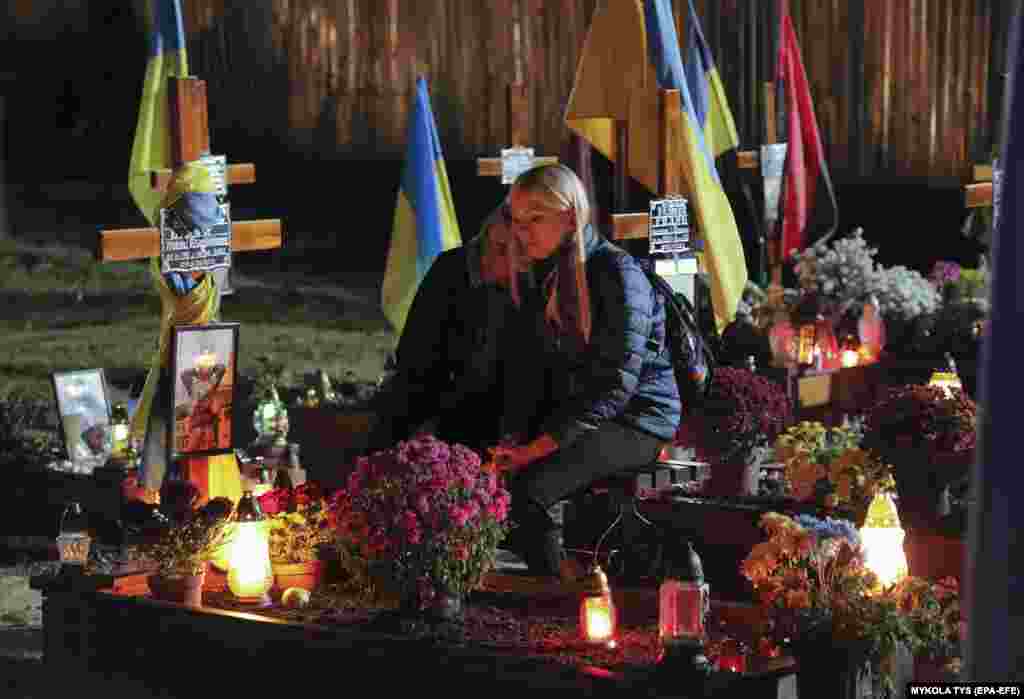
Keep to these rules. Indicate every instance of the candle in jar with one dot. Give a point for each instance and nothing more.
(599, 619)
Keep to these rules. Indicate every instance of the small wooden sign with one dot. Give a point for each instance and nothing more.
(669, 227)
(187, 248)
(514, 162)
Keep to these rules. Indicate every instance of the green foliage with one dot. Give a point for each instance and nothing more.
(185, 548)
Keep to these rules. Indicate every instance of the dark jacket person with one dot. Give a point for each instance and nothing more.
(542, 337)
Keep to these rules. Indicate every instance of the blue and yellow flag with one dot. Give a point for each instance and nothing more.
(631, 52)
(151, 149)
(709, 101)
(425, 223)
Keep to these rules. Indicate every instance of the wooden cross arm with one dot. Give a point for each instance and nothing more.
(635, 227)
(140, 243)
(238, 173)
(978, 195)
(491, 167)
(630, 226)
(748, 159)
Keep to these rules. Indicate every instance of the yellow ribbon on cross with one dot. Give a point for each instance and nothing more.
(199, 306)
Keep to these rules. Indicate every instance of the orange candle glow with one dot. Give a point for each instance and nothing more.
(850, 358)
(597, 610)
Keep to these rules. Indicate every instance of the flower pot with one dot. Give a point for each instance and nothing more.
(435, 607)
(825, 671)
(732, 478)
(187, 589)
(303, 575)
(921, 474)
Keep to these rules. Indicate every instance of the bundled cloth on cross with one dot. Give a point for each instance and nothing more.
(631, 52)
(186, 299)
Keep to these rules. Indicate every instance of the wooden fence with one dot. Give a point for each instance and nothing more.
(902, 87)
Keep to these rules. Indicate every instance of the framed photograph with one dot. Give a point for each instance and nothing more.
(83, 406)
(203, 368)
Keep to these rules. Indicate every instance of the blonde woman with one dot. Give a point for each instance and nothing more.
(543, 344)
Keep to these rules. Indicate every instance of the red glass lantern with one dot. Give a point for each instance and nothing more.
(598, 618)
(683, 606)
(817, 346)
(871, 331)
(849, 355)
(732, 656)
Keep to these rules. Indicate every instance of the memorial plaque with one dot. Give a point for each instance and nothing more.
(773, 160)
(669, 227)
(514, 162)
(217, 166)
(187, 248)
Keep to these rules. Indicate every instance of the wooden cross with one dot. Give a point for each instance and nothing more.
(979, 194)
(636, 226)
(190, 140)
(518, 120)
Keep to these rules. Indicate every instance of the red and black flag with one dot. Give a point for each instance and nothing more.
(807, 207)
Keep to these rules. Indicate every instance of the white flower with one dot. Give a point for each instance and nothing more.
(905, 293)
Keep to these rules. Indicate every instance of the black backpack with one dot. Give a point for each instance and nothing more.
(692, 360)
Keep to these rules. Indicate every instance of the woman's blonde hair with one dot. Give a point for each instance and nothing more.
(559, 188)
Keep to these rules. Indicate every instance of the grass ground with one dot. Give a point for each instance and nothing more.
(60, 310)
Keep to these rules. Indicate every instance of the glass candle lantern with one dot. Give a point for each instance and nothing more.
(120, 432)
(816, 345)
(947, 380)
(597, 610)
(73, 540)
(249, 573)
(270, 420)
(882, 539)
(871, 331)
(683, 605)
(849, 354)
(732, 656)
(683, 600)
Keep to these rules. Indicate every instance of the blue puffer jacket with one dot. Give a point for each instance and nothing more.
(462, 336)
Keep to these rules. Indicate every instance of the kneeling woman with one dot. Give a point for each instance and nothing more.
(545, 339)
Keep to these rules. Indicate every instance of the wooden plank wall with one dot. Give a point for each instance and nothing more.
(902, 87)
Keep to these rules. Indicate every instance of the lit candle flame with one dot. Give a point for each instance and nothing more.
(599, 619)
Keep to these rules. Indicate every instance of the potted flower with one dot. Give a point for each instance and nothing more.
(300, 525)
(820, 599)
(928, 436)
(181, 550)
(429, 513)
(934, 612)
(741, 413)
(827, 466)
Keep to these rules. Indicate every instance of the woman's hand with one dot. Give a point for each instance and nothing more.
(511, 458)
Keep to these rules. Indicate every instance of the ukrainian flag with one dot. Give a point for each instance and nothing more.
(631, 52)
(709, 101)
(152, 146)
(425, 223)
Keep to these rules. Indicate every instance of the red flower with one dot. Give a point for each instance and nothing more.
(273, 502)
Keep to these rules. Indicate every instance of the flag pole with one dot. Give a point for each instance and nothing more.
(773, 228)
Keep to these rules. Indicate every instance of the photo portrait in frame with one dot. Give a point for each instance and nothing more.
(204, 365)
(83, 407)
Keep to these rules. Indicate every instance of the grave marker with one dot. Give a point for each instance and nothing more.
(519, 157)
